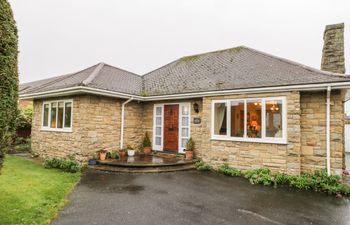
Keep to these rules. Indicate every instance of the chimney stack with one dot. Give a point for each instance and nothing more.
(333, 59)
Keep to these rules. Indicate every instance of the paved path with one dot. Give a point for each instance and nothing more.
(194, 198)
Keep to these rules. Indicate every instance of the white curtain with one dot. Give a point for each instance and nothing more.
(219, 117)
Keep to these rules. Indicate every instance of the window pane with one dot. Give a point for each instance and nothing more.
(68, 114)
(53, 114)
(183, 142)
(158, 121)
(46, 115)
(274, 118)
(158, 131)
(184, 121)
(185, 110)
(237, 118)
(184, 132)
(254, 119)
(60, 115)
(158, 141)
(220, 119)
(158, 111)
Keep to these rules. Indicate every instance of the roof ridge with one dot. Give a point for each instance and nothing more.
(132, 73)
(322, 72)
(93, 75)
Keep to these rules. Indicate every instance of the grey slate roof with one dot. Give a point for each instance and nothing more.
(235, 68)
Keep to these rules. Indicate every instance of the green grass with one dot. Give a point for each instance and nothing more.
(31, 194)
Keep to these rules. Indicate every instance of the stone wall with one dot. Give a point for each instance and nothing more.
(96, 126)
(333, 59)
(313, 131)
(247, 155)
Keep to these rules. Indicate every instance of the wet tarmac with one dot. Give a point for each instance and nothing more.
(194, 198)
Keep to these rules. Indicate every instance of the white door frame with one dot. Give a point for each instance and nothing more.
(160, 126)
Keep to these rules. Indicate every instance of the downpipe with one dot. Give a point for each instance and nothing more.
(328, 131)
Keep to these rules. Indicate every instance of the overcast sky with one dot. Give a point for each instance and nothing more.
(63, 36)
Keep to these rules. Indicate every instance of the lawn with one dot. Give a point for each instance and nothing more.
(31, 194)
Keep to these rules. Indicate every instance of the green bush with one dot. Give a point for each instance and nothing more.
(68, 164)
(24, 119)
(227, 170)
(146, 141)
(201, 166)
(8, 76)
(22, 144)
(317, 181)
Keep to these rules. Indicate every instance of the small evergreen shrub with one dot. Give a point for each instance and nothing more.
(146, 141)
(259, 176)
(68, 164)
(227, 170)
(201, 166)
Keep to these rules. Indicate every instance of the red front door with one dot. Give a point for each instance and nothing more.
(171, 128)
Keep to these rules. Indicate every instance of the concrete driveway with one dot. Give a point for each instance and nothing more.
(194, 198)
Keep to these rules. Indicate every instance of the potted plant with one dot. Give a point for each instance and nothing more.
(102, 154)
(147, 145)
(92, 161)
(122, 153)
(114, 155)
(130, 150)
(189, 149)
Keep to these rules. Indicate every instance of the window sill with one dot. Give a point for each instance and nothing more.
(57, 130)
(251, 140)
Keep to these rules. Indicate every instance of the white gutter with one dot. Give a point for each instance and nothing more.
(328, 123)
(82, 89)
(122, 124)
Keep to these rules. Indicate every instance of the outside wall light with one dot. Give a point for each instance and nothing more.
(196, 107)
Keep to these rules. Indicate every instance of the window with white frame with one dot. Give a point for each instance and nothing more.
(255, 120)
(57, 115)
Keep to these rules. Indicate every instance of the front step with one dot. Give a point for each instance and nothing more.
(148, 169)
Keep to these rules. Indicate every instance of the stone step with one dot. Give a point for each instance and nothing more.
(143, 164)
(154, 169)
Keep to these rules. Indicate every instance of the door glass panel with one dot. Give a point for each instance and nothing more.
(185, 110)
(183, 142)
(184, 121)
(184, 132)
(158, 111)
(158, 131)
(158, 121)
(158, 141)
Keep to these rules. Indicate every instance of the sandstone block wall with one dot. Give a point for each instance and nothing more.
(313, 131)
(96, 126)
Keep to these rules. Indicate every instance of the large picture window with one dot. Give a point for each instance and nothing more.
(57, 115)
(253, 119)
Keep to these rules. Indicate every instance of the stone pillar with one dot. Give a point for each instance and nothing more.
(333, 59)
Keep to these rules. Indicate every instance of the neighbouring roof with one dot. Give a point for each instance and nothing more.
(229, 69)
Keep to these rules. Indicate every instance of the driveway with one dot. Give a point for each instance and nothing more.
(194, 198)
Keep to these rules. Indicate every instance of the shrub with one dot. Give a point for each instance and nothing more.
(68, 164)
(22, 144)
(190, 145)
(8, 76)
(227, 170)
(259, 176)
(24, 119)
(146, 141)
(201, 166)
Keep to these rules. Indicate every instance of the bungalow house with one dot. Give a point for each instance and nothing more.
(241, 106)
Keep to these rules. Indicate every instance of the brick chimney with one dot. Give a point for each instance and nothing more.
(333, 59)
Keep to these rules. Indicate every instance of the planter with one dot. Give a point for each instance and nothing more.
(189, 154)
(103, 155)
(147, 150)
(131, 152)
(122, 154)
(92, 162)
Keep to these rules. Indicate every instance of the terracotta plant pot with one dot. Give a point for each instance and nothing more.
(122, 154)
(103, 155)
(189, 155)
(147, 150)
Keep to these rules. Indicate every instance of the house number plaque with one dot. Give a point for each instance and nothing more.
(197, 120)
